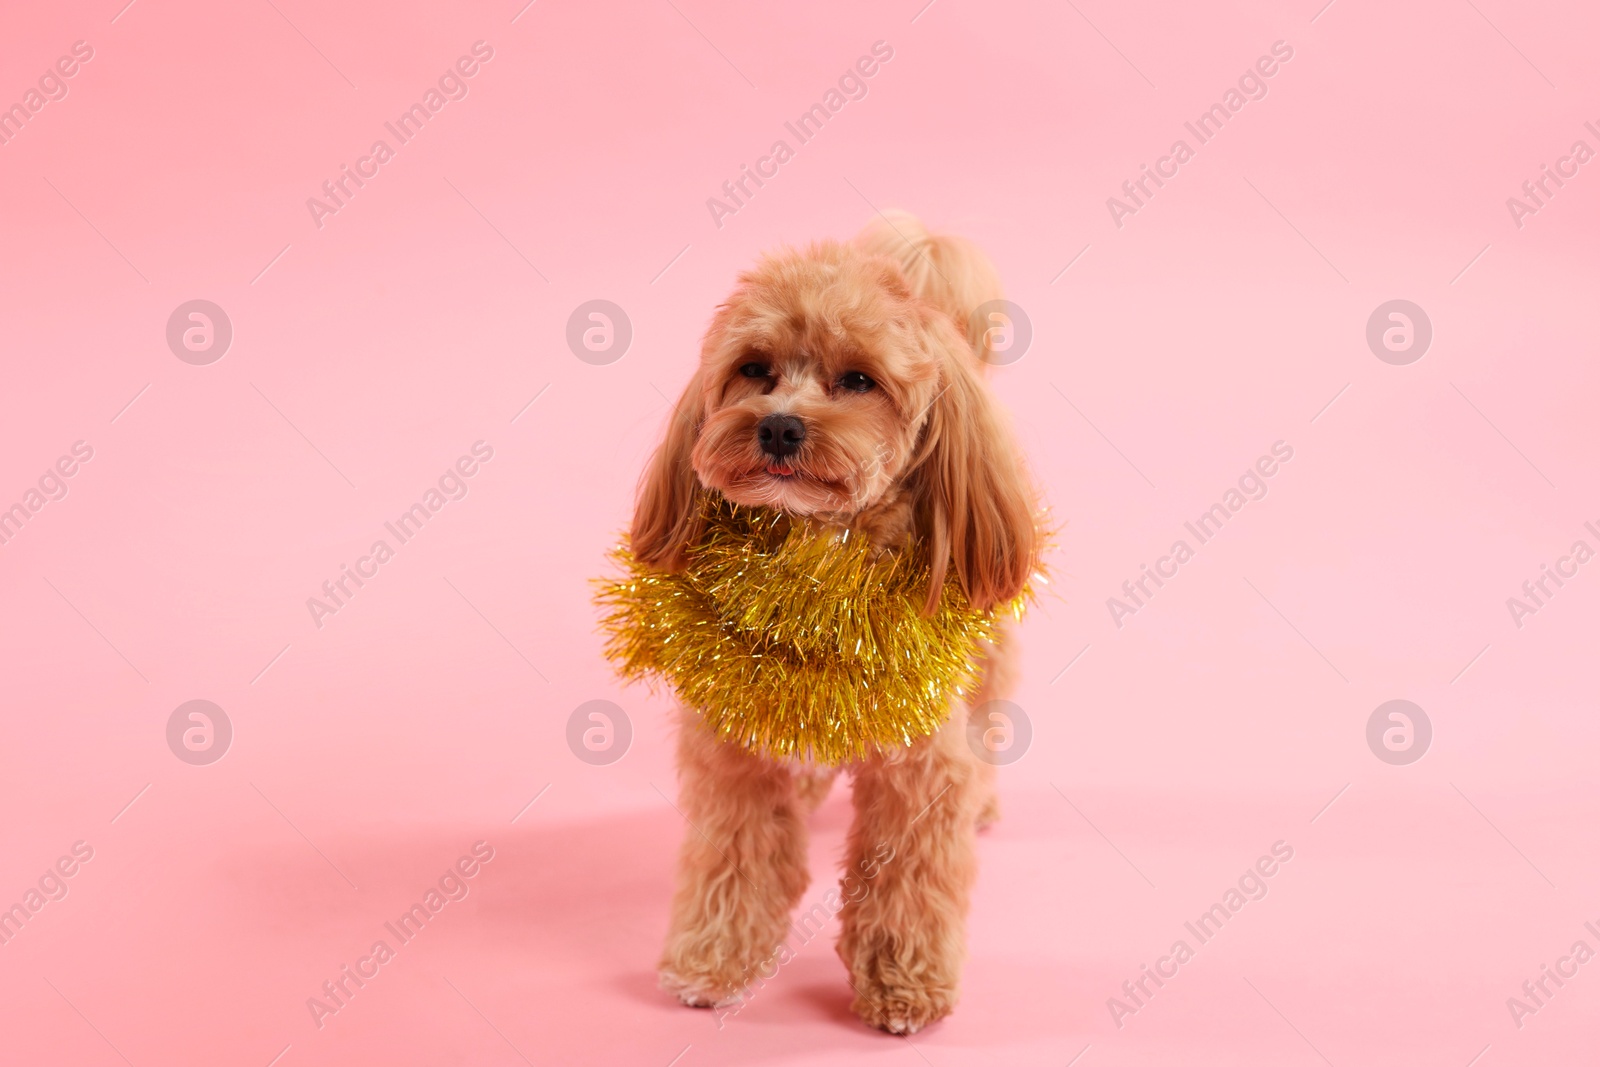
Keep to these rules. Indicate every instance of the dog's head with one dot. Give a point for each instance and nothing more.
(825, 387)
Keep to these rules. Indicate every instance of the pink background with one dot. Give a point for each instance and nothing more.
(425, 715)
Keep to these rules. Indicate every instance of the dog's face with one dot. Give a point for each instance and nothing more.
(826, 387)
(815, 385)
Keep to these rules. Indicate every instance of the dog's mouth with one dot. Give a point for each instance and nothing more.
(777, 480)
(788, 472)
(802, 482)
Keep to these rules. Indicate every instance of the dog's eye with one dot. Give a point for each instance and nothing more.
(754, 370)
(856, 382)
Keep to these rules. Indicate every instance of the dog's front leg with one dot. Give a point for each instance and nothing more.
(741, 870)
(912, 863)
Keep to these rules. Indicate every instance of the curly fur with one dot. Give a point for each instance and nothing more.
(923, 453)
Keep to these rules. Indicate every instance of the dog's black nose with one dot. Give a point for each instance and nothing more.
(780, 435)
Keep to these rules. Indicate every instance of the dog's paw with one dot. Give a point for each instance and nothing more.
(700, 989)
(902, 980)
(904, 1009)
(989, 814)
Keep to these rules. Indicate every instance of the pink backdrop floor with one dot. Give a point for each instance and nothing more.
(368, 353)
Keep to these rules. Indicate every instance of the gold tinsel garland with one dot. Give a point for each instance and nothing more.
(796, 643)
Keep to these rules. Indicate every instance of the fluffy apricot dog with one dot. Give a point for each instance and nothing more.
(842, 385)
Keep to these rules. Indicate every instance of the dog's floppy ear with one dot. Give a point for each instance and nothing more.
(667, 519)
(975, 505)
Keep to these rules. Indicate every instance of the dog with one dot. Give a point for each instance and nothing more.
(843, 385)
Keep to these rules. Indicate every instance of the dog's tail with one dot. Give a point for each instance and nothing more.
(948, 272)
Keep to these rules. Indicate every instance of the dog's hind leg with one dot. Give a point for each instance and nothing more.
(812, 785)
(998, 675)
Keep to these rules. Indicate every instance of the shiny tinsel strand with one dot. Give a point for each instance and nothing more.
(794, 643)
